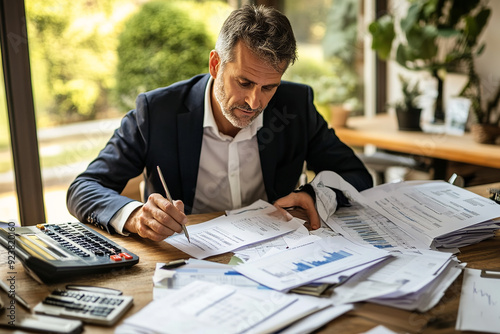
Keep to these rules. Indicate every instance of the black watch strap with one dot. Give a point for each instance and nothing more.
(307, 188)
(342, 200)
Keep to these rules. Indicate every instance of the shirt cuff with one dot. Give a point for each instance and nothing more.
(120, 218)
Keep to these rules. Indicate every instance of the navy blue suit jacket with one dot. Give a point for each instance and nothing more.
(166, 129)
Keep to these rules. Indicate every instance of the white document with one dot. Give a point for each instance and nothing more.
(304, 306)
(402, 274)
(316, 320)
(409, 215)
(203, 307)
(294, 267)
(225, 234)
(479, 308)
(255, 251)
(326, 201)
(364, 225)
(201, 270)
(259, 206)
(428, 296)
(432, 209)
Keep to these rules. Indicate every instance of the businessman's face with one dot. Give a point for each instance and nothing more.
(242, 88)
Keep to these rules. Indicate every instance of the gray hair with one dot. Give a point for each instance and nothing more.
(264, 30)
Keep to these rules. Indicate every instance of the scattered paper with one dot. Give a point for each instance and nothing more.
(227, 233)
(291, 268)
(479, 308)
(203, 307)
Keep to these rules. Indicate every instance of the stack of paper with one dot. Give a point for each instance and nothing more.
(382, 249)
(408, 280)
(436, 213)
(298, 266)
(225, 234)
(204, 307)
(468, 235)
(416, 215)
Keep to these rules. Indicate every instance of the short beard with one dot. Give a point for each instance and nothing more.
(227, 111)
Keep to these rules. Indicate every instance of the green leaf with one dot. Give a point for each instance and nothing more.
(448, 33)
(411, 19)
(459, 8)
(422, 42)
(402, 56)
(480, 49)
(475, 25)
(383, 34)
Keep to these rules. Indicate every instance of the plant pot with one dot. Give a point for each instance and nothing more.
(338, 116)
(409, 120)
(485, 133)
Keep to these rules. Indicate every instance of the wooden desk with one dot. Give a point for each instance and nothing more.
(382, 132)
(137, 282)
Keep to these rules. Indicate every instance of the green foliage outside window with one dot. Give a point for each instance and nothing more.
(72, 57)
(160, 45)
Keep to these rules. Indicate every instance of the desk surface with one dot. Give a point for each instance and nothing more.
(137, 282)
(382, 131)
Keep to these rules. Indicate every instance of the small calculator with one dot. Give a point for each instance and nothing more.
(89, 307)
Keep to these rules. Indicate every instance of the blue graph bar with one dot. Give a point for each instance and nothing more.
(328, 258)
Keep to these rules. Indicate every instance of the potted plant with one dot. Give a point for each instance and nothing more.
(338, 94)
(433, 36)
(407, 110)
(335, 87)
(486, 117)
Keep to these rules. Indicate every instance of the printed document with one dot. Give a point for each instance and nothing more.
(408, 215)
(479, 308)
(402, 274)
(364, 225)
(293, 267)
(203, 307)
(432, 209)
(227, 233)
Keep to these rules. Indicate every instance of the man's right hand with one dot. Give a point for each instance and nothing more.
(157, 219)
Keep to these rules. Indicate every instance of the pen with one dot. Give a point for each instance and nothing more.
(174, 264)
(169, 198)
(18, 298)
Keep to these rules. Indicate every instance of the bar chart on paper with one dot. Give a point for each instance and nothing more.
(362, 224)
(304, 264)
(286, 269)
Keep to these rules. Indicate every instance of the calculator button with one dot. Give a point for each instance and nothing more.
(115, 257)
(126, 256)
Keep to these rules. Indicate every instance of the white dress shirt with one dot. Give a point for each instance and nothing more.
(229, 175)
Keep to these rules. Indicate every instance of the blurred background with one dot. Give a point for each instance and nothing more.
(90, 58)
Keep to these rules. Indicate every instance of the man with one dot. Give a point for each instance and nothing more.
(222, 140)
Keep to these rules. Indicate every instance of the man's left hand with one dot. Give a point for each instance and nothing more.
(304, 201)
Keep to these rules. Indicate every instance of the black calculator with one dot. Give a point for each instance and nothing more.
(89, 307)
(53, 251)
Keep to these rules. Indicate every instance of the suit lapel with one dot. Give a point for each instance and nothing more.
(190, 137)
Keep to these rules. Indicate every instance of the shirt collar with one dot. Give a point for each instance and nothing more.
(209, 119)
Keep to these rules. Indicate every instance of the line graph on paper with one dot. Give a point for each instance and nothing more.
(286, 269)
(364, 225)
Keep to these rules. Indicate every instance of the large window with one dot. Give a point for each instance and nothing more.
(83, 82)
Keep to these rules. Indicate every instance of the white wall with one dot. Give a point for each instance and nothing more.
(488, 64)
